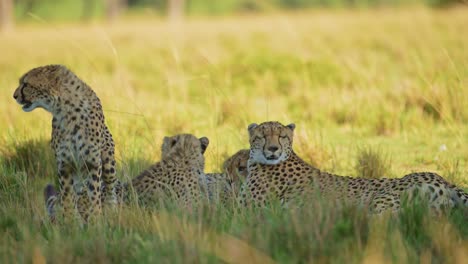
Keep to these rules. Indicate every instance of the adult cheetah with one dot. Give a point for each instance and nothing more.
(81, 141)
(275, 171)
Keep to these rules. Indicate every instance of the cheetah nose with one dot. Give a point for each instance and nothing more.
(273, 148)
(15, 96)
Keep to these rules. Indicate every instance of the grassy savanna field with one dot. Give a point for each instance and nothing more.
(392, 83)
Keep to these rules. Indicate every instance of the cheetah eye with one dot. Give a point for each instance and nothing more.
(173, 142)
(258, 138)
(241, 168)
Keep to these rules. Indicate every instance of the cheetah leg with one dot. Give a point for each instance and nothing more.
(67, 195)
(109, 178)
(121, 191)
(83, 205)
(94, 189)
(51, 198)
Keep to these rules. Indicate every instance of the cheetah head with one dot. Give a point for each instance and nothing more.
(40, 87)
(235, 167)
(185, 146)
(270, 142)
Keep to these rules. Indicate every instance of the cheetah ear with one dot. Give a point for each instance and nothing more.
(251, 127)
(166, 142)
(57, 68)
(291, 126)
(204, 143)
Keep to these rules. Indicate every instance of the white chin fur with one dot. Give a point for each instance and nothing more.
(271, 162)
(29, 108)
(260, 158)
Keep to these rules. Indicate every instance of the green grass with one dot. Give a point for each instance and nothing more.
(392, 82)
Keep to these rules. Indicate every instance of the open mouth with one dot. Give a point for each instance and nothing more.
(26, 105)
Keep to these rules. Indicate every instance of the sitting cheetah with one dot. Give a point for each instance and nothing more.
(275, 171)
(222, 186)
(175, 176)
(81, 141)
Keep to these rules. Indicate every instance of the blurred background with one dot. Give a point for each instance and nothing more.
(85, 10)
(363, 72)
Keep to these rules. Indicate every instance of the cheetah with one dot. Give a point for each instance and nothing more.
(175, 176)
(222, 186)
(81, 141)
(275, 171)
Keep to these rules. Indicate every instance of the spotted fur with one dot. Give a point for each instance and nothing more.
(176, 176)
(82, 143)
(224, 186)
(276, 172)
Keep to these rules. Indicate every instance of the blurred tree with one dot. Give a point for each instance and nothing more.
(176, 10)
(114, 8)
(88, 9)
(6, 14)
(158, 4)
(28, 6)
(445, 3)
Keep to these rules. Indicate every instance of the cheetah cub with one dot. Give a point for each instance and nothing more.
(81, 141)
(226, 185)
(176, 176)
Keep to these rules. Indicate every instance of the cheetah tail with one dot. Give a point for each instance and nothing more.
(459, 196)
(50, 197)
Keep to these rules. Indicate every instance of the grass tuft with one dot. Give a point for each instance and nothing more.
(372, 163)
(35, 157)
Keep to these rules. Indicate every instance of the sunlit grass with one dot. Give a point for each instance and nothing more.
(389, 82)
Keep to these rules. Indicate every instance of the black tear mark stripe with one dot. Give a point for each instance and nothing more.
(22, 91)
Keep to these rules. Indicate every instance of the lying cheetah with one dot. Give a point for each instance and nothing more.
(275, 171)
(222, 186)
(177, 174)
(81, 141)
